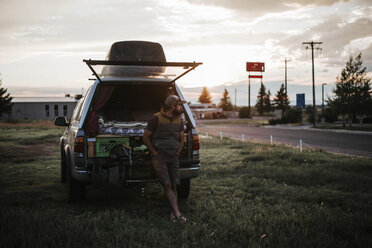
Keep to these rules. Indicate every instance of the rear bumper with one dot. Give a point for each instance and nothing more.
(188, 169)
(190, 172)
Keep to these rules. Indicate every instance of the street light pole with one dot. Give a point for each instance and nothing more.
(323, 119)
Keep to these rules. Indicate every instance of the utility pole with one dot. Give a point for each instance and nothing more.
(249, 94)
(310, 45)
(285, 68)
(323, 119)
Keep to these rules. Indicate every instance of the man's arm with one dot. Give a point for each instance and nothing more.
(182, 142)
(147, 141)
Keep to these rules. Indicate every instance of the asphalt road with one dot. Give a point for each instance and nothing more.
(335, 141)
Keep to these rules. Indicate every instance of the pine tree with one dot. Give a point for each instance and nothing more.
(281, 100)
(5, 100)
(205, 97)
(267, 102)
(260, 99)
(353, 91)
(225, 103)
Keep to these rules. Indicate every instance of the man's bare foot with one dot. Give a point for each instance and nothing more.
(173, 217)
(181, 219)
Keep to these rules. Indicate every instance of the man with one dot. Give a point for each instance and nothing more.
(164, 137)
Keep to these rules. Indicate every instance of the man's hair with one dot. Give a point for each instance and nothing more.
(170, 101)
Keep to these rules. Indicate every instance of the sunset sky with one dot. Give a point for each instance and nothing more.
(43, 42)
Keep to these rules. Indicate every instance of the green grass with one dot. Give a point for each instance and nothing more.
(248, 195)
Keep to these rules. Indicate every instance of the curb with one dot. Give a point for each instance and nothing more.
(319, 130)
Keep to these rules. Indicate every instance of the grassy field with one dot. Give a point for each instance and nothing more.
(248, 195)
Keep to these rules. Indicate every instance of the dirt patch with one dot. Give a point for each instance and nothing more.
(43, 124)
(26, 153)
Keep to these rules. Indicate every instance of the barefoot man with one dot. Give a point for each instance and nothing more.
(164, 137)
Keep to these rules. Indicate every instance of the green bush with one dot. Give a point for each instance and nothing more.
(244, 112)
(310, 114)
(293, 115)
(330, 115)
(274, 121)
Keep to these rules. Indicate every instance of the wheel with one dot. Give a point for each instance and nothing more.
(75, 190)
(63, 167)
(183, 189)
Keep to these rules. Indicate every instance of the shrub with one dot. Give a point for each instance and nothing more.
(330, 115)
(293, 115)
(274, 121)
(310, 114)
(244, 112)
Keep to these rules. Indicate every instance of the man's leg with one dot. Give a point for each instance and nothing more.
(174, 188)
(161, 169)
(171, 195)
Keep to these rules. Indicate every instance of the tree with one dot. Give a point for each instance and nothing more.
(205, 97)
(281, 100)
(5, 100)
(260, 99)
(353, 91)
(225, 103)
(268, 107)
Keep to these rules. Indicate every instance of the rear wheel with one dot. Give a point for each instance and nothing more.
(183, 189)
(75, 190)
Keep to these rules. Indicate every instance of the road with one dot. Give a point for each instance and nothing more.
(335, 141)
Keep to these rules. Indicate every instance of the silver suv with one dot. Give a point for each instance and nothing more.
(102, 144)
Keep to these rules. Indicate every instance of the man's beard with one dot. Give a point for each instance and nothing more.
(175, 112)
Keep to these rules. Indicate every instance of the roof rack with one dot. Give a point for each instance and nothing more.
(189, 66)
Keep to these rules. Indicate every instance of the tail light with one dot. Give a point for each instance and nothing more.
(79, 144)
(195, 142)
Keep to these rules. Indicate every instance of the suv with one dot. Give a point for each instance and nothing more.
(103, 142)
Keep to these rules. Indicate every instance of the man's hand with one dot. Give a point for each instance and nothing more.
(146, 140)
(182, 141)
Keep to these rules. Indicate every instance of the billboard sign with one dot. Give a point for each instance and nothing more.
(256, 66)
(300, 101)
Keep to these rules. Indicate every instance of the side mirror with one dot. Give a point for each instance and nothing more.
(61, 121)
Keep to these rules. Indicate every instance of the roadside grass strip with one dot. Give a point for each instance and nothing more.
(247, 195)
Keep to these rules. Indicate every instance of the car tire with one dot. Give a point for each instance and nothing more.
(183, 190)
(76, 191)
(63, 167)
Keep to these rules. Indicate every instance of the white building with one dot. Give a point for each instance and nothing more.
(37, 108)
(205, 110)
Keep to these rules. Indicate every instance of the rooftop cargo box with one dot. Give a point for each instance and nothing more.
(131, 51)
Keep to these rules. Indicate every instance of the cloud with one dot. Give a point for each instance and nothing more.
(338, 37)
(257, 8)
(44, 26)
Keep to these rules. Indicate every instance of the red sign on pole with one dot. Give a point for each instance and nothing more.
(255, 76)
(256, 66)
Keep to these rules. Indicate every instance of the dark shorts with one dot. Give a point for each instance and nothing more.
(166, 168)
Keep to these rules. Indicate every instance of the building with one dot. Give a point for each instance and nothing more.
(38, 108)
(205, 111)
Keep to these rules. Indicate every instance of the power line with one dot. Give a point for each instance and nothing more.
(313, 45)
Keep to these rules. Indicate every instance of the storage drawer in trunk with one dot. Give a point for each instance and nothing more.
(105, 144)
